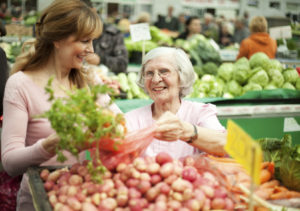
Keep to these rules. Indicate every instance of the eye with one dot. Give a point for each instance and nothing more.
(164, 71)
(86, 40)
(149, 74)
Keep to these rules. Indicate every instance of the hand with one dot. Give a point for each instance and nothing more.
(93, 59)
(50, 143)
(171, 128)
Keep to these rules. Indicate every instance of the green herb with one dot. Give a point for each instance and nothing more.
(80, 122)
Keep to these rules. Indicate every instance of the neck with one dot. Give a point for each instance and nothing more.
(159, 108)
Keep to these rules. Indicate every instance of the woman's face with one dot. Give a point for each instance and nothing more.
(71, 52)
(161, 79)
(195, 26)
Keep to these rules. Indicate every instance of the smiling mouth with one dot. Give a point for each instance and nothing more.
(157, 89)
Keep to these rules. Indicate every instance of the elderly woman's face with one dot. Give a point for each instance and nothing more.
(161, 79)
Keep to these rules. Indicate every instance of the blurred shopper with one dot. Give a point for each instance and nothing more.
(181, 23)
(210, 28)
(226, 34)
(168, 22)
(192, 27)
(124, 27)
(259, 40)
(241, 30)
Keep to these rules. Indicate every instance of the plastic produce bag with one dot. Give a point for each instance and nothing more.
(113, 152)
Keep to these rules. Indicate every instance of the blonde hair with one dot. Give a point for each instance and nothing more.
(60, 20)
(258, 24)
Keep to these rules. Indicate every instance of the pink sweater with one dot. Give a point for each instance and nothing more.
(203, 115)
(22, 133)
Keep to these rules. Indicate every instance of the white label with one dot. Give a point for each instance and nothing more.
(140, 32)
(290, 125)
(281, 32)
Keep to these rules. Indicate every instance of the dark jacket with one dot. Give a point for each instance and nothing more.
(4, 72)
(111, 49)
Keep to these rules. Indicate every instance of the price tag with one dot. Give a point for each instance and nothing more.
(281, 32)
(244, 150)
(140, 32)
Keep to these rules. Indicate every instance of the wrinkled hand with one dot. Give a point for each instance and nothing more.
(170, 128)
(50, 143)
(93, 59)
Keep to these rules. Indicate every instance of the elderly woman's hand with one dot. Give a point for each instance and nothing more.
(171, 128)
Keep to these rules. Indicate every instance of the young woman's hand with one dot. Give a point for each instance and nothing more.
(50, 143)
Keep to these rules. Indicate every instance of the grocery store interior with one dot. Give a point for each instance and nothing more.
(245, 56)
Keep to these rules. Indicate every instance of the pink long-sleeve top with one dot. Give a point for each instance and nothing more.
(23, 132)
(203, 115)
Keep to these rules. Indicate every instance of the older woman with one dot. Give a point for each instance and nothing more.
(259, 40)
(183, 127)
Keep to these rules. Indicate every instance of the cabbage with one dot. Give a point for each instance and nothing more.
(260, 77)
(210, 68)
(290, 170)
(276, 77)
(288, 85)
(252, 87)
(290, 75)
(227, 95)
(274, 64)
(241, 70)
(298, 83)
(225, 71)
(216, 89)
(243, 61)
(270, 86)
(259, 59)
(234, 88)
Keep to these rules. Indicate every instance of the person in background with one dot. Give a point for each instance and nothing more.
(226, 34)
(4, 72)
(182, 127)
(192, 27)
(181, 23)
(168, 22)
(64, 35)
(241, 30)
(124, 27)
(144, 17)
(209, 27)
(259, 40)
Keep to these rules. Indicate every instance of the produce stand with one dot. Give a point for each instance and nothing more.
(267, 113)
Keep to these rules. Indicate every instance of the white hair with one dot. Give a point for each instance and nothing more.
(182, 63)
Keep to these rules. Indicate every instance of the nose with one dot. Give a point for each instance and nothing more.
(156, 77)
(90, 48)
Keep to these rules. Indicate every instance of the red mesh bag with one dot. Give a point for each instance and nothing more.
(9, 187)
(113, 152)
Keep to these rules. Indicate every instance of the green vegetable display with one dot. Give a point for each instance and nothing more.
(286, 158)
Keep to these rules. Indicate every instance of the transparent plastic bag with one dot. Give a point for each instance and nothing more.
(113, 152)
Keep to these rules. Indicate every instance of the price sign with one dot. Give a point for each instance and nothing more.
(140, 32)
(244, 150)
(281, 32)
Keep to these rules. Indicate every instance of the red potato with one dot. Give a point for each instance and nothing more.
(75, 179)
(62, 198)
(44, 174)
(144, 186)
(173, 204)
(63, 178)
(135, 173)
(53, 176)
(180, 185)
(112, 193)
(51, 192)
(121, 167)
(72, 190)
(152, 193)
(133, 193)
(107, 175)
(155, 178)
(220, 192)
(165, 188)
(163, 157)
(82, 170)
(74, 168)
(89, 207)
(122, 200)
(74, 203)
(132, 182)
(199, 195)
(189, 161)
(52, 200)
(169, 180)
(161, 197)
(87, 178)
(218, 203)
(189, 173)
(137, 204)
(188, 193)
(208, 191)
(211, 177)
(229, 205)
(58, 206)
(48, 185)
(80, 196)
(153, 168)
(65, 208)
(63, 190)
(161, 205)
(107, 185)
(122, 190)
(108, 204)
(193, 204)
(166, 170)
(96, 198)
(145, 177)
(206, 205)
(138, 161)
(177, 196)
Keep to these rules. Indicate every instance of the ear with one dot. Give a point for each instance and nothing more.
(56, 44)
